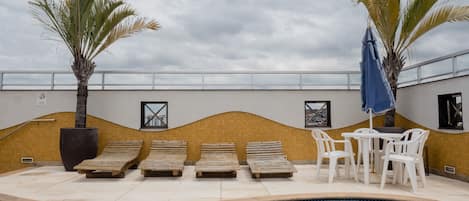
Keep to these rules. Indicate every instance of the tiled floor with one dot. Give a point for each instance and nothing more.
(52, 183)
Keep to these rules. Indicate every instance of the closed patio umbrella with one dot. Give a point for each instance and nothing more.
(377, 96)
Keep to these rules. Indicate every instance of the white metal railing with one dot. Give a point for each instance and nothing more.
(449, 66)
(165, 80)
(440, 68)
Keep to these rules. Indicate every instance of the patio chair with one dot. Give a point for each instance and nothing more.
(398, 167)
(165, 157)
(408, 153)
(267, 159)
(217, 160)
(116, 158)
(370, 142)
(408, 135)
(326, 149)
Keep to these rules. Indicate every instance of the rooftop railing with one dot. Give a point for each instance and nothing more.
(125, 80)
(445, 67)
(449, 66)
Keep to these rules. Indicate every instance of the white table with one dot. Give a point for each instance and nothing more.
(364, 138)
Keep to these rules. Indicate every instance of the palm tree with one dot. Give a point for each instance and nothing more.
(87, 28)
(399, 27)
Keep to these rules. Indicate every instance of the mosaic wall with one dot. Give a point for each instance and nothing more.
(40, 140)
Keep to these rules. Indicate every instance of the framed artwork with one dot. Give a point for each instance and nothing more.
(154, 115)
(317, 114)
(450, 111)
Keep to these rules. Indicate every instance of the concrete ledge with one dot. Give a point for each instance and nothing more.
(371, 196)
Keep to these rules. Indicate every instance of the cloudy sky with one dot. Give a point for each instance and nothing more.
(222, 35)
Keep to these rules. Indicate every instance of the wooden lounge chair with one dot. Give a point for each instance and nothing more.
(268, 160)
(116, 158)
(165, 157)
(217, 160)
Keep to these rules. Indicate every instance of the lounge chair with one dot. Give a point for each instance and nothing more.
(116, 158)
(267, 159)
(217, 160)
(165, 157)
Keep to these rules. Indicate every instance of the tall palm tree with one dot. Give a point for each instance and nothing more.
(400, 26)
(87, 28)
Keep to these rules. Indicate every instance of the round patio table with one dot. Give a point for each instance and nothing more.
(364, 138)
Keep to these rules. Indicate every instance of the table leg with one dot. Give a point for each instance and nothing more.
(377, 155)
(347, 160)
(366, 160)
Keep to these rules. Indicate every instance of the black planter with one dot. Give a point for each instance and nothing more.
(76, 145)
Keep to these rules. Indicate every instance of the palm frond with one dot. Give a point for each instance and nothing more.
(116, 16)
(385, 15)
(412, 16)
(49, 14)
(102, 10)
(125, 30)
(436, 18)
(87, 27)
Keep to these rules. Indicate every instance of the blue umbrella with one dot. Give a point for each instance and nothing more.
(376, 92)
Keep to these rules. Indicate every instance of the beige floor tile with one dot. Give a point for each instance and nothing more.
(231, 190)
(53, 183)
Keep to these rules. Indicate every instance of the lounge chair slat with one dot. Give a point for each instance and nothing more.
(115, 158)
(217, 158)
(268, 158)
(165, 156)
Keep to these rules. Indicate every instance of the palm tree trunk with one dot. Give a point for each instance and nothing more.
(83, 69)
(392, 64)
(82, 96)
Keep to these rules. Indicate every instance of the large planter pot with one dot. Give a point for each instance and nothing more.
(76, 145)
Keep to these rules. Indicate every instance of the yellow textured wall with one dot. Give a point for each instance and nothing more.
(41, 140)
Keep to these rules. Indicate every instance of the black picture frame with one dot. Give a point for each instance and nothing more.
(315, 118)
(450, 111)
(145, 124)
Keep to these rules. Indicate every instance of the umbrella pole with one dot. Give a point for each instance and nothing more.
(373, 151)
(370, 111)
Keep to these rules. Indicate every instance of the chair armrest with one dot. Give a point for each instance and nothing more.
(341, 141)
(401, 143)
(346, 143)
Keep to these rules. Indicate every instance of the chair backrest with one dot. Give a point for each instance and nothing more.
(130, 148)
(264, 150)
(218, 152)
(323, 141)
(415, 143)
(365, 130)
(164, 147)
(218, 148)
(422, 142)
(412, 133)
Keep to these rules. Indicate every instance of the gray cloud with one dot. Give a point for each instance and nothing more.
(222, 35)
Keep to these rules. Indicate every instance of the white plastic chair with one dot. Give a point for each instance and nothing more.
(398, 168)
(409, 135)
(360, 149)
(326, 149)
(409, 153)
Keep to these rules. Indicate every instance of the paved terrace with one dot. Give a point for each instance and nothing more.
(53, 183)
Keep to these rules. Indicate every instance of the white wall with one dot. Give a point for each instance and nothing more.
(123, 107)
(420, 103)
